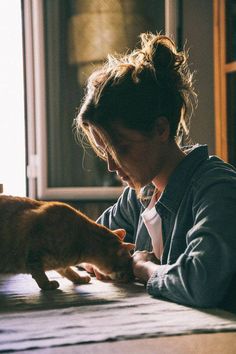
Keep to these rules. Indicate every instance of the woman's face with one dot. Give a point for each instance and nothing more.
(139, 158)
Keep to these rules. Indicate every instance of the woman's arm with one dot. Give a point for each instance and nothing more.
(124, 214)
(202, 274)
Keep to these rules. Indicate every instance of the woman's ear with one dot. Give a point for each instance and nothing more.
(162, 127)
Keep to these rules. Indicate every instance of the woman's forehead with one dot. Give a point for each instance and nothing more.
(120, 134)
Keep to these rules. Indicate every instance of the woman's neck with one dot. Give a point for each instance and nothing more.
(174, 155)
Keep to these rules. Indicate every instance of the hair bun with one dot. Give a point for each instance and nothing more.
(161, 51)
(162, 57)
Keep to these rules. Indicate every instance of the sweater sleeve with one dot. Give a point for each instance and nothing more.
(202, 274)
(123, 214)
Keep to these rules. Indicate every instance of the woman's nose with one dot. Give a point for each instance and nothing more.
(111, 165)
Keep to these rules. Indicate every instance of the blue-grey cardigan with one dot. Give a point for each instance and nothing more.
(198, 212)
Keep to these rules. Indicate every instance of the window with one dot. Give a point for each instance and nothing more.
(64, 40)
(12, 125)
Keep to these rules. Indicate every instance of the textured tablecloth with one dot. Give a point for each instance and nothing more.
(96, 312)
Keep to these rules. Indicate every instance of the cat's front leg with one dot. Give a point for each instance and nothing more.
(73, 276)
(35, 268)
(42, 280)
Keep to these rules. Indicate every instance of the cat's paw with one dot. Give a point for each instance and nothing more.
(82, 280)
(51, 285)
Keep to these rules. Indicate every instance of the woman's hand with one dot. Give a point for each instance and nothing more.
(144, 265)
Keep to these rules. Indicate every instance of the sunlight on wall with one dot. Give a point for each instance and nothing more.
(12, 134)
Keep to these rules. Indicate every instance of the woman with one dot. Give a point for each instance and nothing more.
(180, 204)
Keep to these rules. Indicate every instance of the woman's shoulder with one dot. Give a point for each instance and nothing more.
(215, 177)
(214, 168)
(200, 167)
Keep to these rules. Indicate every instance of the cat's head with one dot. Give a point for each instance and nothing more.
(115, 259)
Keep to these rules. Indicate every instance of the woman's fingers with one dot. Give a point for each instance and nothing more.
(100, 276)
(88, 267)
(94, 271)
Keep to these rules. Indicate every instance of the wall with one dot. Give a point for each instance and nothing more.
(198, 31)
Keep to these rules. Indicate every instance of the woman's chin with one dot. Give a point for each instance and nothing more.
(130, 184)
(127, 181)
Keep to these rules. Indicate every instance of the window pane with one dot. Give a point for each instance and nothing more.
(230, 21)
(12, 124)
(79, 34)
(231, 116)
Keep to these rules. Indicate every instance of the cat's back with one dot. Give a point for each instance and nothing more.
(12, 212)
(14, 230)
(12, 205)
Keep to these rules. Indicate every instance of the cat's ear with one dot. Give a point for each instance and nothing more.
(120, 233)
(129, 246)
(126, 246)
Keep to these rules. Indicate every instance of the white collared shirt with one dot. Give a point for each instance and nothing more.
(152, 221)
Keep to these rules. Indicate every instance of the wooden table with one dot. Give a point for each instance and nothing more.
(103, 317)
(214, 343)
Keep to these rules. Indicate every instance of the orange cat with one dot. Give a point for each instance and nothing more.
(37, 236)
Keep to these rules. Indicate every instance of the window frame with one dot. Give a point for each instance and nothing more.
(36, 112)
(35, 87)
(221, 69)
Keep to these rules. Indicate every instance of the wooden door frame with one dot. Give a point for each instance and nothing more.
(221, 145)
